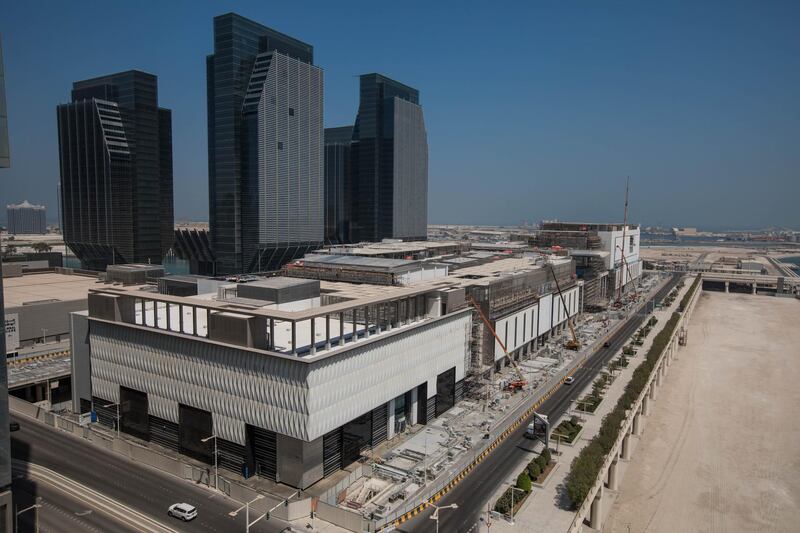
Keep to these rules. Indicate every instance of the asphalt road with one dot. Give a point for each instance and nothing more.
(499, 466)
(137, 486)
(59, 511)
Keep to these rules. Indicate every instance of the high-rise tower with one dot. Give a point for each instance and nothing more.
(390, 163)
(115, 148)
(265, 142)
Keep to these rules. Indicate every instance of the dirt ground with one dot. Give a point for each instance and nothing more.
(721, 449)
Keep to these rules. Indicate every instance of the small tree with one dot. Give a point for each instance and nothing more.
(542, 462)
(534, 469)
(546, 454)
(524, 482)
(41, 247)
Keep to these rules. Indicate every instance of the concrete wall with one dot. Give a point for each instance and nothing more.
(81, 365)
(54, 316)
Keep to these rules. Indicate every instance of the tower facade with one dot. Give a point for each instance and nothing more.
(390, 163)
(265, 141)
(115, 157)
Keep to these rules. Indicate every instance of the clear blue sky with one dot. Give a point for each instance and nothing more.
(534, 110)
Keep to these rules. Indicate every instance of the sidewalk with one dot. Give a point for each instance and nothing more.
(548, 508)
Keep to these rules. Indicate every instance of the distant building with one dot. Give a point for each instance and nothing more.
(26, 219)
(265, 142)
(390, 163)
(338, 184)
(115, 148)
(6, 505)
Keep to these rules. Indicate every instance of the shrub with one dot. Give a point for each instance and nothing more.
(541, 462)
(524, 482)
(534, 469)
(546, 454)
(503, 503)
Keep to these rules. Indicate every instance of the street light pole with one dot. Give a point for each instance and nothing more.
(216, 465)
(435, 515)
(513, 488)
(35, 508)
(246, 507)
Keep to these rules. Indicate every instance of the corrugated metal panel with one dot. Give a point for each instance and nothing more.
(265, 451)
(332, 452)
(379, 419)
(164, 433)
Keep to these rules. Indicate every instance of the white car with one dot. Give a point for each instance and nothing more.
(183, 511)
(569, 381)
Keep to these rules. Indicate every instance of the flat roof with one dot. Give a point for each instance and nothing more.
(372, 263)
(378, 248)
(40, 287)
(37, 370)
(278, 282)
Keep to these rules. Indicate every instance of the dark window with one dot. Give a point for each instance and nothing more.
(280, 145)
(356, 437)
(445, 391)
(291, 111)
(195, 424)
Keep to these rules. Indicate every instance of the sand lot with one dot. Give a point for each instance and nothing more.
(721, 448)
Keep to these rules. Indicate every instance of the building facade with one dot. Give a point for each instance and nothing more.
(390, 163)
(265, 140)
(338, 184)
(6, 504)
(115, 156)
(295, 386)
(26, 219)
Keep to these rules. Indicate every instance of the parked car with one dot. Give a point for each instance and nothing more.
(182, 511)
(569, 381)
(606, 344)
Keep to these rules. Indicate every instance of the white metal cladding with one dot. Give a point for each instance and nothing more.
(516, 330)
(343, 388)
(545, 313)
(410, 167)
(290, 156)
(571, 299)
(294, 398)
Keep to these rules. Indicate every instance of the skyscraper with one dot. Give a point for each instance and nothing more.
(6, 508)
(26, 218)
(115, 154)
(265, 135)
(338, 184)
(390, 163)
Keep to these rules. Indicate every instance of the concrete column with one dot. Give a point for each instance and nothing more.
(341, 329)
(612, 475)
(646, 405)
(727, 286)
(414, 407)
(313, 336)
(754, 288)
(626, 448)
(637, 424)
(378, 318)
(327, 332)
(294, 338)
(390, 420)
(658, 376)
(271, 333)
(366, 322)
(596, 511)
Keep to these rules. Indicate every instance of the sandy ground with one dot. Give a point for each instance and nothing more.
(721, 449)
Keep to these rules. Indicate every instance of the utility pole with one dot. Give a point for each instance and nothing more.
(216, 466)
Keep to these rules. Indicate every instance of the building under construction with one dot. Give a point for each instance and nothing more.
(606, 255)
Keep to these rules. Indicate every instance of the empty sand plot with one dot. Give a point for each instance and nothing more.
(721, 448)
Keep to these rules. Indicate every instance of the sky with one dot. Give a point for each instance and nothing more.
(534, 110)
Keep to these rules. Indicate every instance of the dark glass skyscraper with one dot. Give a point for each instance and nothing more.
(264, 146)
(6, 508)
(390, 163)
(338, 184)
(115, 148)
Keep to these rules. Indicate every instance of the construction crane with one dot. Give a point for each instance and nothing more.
(618, 303)
(573, 343)
(519, 383)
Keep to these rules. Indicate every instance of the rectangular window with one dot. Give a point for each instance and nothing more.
(291, 111)
(280, 145)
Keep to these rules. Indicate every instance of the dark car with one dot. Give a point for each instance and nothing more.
(606, 344)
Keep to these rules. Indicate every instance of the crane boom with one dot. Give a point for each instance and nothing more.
(522, 381)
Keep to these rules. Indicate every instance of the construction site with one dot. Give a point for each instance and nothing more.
(417, 461)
